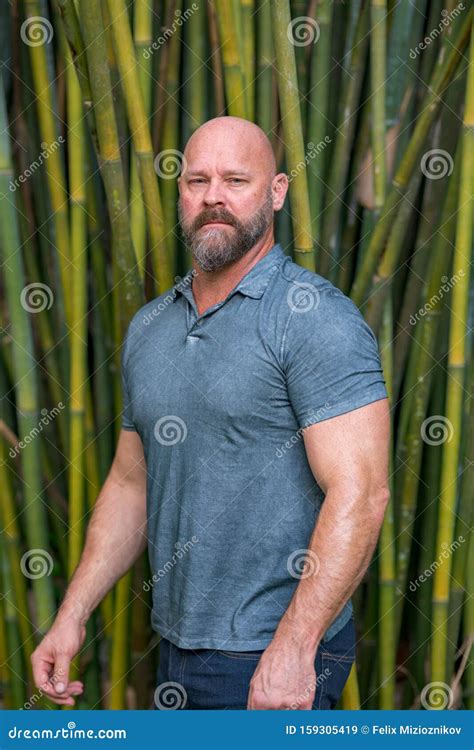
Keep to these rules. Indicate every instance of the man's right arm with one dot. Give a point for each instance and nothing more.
(116, 536)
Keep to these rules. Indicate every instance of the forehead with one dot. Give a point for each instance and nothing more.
(223, 153)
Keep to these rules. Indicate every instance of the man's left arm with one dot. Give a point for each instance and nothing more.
(348, 456)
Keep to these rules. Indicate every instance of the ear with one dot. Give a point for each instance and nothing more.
(279, 190)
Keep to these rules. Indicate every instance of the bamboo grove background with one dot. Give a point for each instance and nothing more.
(370, 108)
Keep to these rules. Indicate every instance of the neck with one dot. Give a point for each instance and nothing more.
(210, 287)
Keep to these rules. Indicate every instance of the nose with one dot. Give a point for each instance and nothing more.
(214, 195)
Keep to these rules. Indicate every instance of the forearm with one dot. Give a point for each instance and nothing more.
(116, 536)
(340, 550)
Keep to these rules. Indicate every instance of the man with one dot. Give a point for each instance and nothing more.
(253, 458)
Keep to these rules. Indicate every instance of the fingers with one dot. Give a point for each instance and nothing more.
(62, 664)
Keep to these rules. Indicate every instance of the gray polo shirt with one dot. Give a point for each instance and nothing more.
(219, 400)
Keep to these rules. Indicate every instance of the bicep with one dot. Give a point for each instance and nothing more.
(351, 450)
(129, 466)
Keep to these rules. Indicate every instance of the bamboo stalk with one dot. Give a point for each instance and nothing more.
(141, 141)
(25, 373)
(458, 337)
(293, 133)
(443, 73)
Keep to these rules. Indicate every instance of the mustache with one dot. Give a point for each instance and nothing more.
(211, 215)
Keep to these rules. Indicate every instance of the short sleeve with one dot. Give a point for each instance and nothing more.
(127, 418)
(330, 358)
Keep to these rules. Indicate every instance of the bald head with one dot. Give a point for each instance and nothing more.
(233, 138)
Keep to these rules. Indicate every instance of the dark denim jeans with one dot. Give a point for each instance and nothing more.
(208, 679)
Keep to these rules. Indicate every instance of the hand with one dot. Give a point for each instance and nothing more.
(285, 678)
(52, 658)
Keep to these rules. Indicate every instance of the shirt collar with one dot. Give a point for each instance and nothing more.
(254, 282)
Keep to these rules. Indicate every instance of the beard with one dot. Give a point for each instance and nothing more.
(216, 247)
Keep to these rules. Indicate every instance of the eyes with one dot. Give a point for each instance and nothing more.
(230, 180)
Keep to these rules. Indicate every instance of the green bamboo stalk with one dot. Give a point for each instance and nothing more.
(387, 570)
(378, 74)
(216, 61)
(228, 23)
(445, 69)
(339, 163)
(169, 157)
(17, 691)
(411, 448)
(142, 38)
(25, 373)
(458, 336)
(317, 117)
(141, 138)
(468, 627)
(78, 330)
(264, 51)
(12, 546)
(293, 133)
(247, 12)
(194, 93)
(49, 135)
